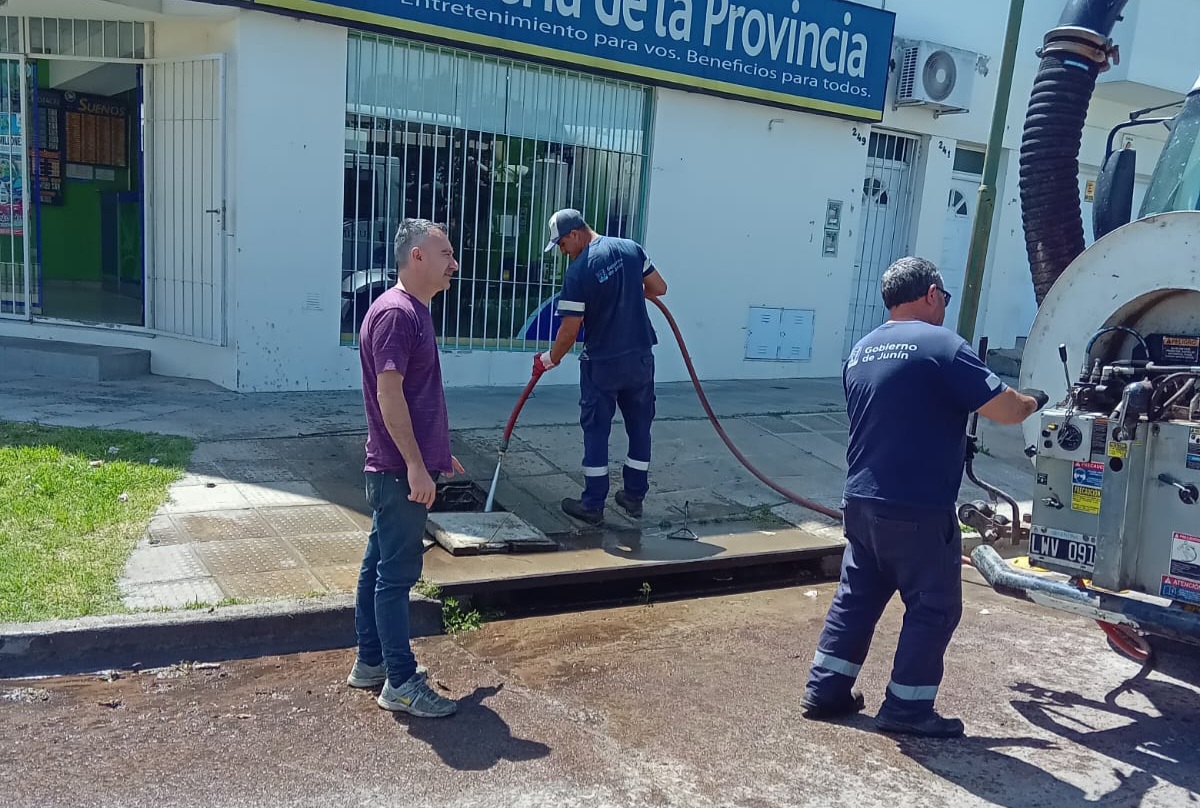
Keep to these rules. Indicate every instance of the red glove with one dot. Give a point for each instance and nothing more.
(542, 362)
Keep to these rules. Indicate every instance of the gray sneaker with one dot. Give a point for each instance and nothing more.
(416, 697)
(372, 675)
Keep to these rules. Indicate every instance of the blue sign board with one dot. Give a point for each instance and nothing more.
(828, 56)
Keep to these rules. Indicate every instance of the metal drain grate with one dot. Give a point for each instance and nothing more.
(460, 496)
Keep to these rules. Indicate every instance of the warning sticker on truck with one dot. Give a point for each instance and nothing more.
(1179, 589)
(1184, 350)
(1085, 499)
(1086, 481)
(1185, 557)
(1193, 455)
(1089, 474)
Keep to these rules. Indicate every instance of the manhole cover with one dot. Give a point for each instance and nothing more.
(477, 533)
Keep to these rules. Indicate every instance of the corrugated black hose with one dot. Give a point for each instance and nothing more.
(1049, 166)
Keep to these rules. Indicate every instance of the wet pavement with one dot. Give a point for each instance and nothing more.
(690, 704)
(273, 505)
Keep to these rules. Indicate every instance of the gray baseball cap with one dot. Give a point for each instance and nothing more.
(561, 223)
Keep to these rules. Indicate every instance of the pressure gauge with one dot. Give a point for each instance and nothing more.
(1070, 438)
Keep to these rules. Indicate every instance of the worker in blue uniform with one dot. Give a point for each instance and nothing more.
(607, 284)
(910, 387)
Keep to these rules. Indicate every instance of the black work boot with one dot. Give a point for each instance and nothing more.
(574, 508)
(629, 504)
(824, 711)
(930, 725)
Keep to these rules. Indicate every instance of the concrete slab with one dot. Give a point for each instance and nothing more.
(221, 525)
(331, 549)
(152, 565)
(197, 498)
(338, 577)
(825, 490)
(776, 424)
(271, 584)
(692, 505)
(244, 471)
(306, 520)
(235, 450)
(163, 531)
(611, 555)
(361, 520)
(265, 495)
(822, 446)
(171, 595)
(463, 534)
(247, 555)
(526, 464)
(68, 360)
(202, 474)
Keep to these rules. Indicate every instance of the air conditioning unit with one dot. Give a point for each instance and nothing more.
(936, 76)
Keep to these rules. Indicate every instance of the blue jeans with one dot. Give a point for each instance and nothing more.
(391, 566)
(891, 548)
(626, 382)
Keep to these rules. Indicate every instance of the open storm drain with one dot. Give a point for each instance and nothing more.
(461, 496)
(458, 523)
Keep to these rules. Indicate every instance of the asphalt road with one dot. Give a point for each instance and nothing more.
(692, 703)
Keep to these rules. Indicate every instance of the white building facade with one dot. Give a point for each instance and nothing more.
(218, 183)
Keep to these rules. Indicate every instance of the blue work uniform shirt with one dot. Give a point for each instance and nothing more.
(604, 286)
(910, 389)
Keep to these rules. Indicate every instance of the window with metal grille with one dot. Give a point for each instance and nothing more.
(889, 198)
(490, 147)
(91, 39)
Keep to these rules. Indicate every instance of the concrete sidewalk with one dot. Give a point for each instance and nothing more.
(273, 503)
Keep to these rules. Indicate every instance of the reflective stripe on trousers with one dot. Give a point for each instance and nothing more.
(627, 383)
(832, 663)
(890, 548)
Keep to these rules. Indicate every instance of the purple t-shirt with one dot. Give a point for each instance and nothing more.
(397, 334)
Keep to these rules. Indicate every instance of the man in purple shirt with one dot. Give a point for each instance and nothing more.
(408, 446)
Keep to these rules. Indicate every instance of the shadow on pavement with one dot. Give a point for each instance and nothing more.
(1157, 743)
(978, 765)
(1160, 741)
(474, 739)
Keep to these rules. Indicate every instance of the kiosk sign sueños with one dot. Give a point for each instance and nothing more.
(824, 55)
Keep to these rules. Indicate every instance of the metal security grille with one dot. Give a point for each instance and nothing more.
(87, 39)
(491, 147)
(185, 190)
(888, 197)
(14, 192)
(76, 39)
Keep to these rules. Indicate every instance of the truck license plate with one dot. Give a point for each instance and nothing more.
(1063, 549)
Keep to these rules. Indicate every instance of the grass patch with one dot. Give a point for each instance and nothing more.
(67, 526)
(455, 618)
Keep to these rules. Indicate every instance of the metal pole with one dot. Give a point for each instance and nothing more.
(968, 311)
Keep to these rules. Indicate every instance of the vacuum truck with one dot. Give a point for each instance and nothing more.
(1114, 533)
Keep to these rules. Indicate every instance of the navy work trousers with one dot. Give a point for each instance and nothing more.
(625, 382)
(889, 549)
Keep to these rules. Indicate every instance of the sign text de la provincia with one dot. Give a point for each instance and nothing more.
(827, 55)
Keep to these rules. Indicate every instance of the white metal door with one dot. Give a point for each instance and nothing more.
(956, 243)
(884, 229)
(15, 255)
(185, 198)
